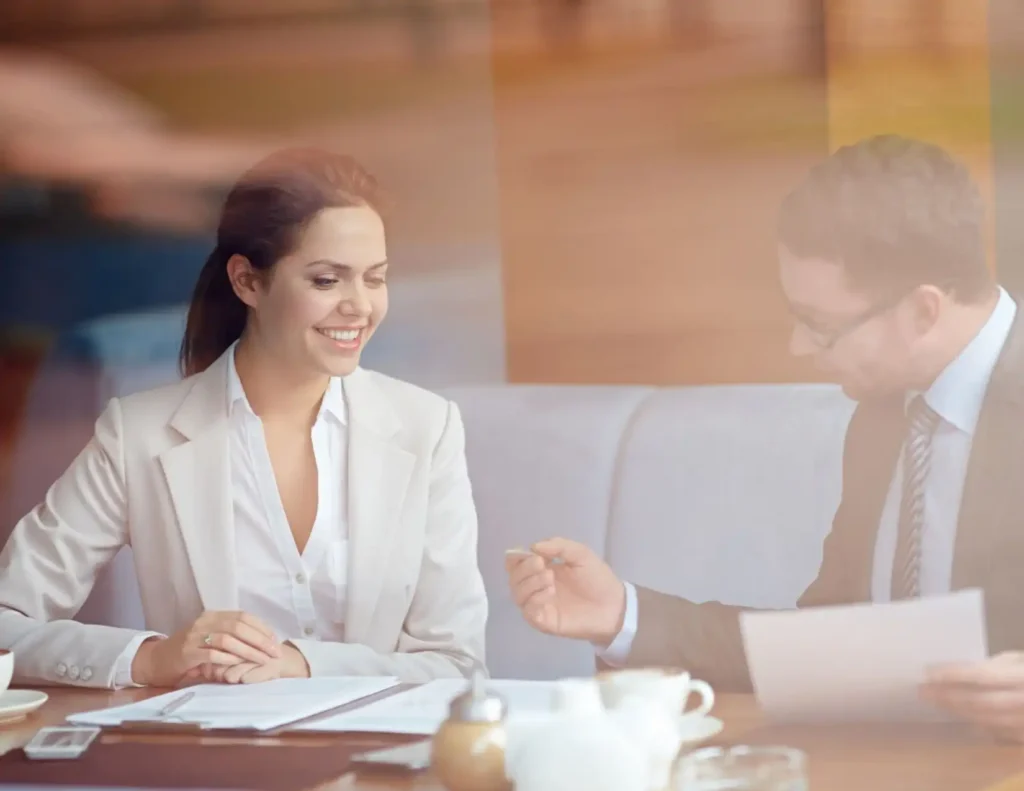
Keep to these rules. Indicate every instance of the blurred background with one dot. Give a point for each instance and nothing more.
(584, 190)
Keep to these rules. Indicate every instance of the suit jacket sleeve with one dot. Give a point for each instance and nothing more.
(443, 634)
(705, 639)
(49, 565)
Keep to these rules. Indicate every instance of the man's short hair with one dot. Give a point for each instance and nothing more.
(896, 213)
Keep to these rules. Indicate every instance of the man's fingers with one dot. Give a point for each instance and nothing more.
(537, 607)
(540, 615)
(525, 569)
(989, 693)
(1003, 670)
(530, 586)
(571, 552)
(978, 704)
(543, 596)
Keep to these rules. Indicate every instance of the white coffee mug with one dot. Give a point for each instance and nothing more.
(577, 696)
(6, 669)
(669, 689)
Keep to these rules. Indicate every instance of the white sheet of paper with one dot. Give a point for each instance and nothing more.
(421, 710)
(258, 706)
(860, 662)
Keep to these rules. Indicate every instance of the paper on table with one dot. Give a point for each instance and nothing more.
(246, 706)
(422, 709)
(859, 662)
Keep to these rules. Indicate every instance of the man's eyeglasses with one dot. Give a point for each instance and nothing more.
(825, 339)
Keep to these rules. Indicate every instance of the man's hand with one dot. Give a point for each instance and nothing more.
(215, 638)
(988, 693)
(292, 664)
(565, 589)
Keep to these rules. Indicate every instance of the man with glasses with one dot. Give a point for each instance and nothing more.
(882, 261)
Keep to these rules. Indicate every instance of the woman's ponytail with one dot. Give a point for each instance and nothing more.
(216, 316)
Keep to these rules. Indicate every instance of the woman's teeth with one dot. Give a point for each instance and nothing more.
(340, 335)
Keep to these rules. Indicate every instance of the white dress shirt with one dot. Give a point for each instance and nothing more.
(296, 595)
(956, 396)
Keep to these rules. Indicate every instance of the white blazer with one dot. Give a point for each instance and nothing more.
(155, 476)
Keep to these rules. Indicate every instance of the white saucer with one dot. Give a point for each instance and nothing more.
(16, 704)
(698, 729)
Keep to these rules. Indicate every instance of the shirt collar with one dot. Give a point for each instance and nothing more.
(958, 392)
(333, 402)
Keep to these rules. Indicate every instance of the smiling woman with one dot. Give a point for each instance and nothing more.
(288, 218)
(311, 517)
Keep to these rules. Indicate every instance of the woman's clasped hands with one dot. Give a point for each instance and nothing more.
(219, 647)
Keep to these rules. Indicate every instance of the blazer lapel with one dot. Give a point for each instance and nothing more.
(379, 471)
(990, 540)
(876, 467)
(870, 454)
(199, 479)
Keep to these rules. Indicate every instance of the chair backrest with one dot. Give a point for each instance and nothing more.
(727, 493)
(543, 463)
(713, 493)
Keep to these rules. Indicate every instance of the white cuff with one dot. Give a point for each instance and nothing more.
(123, 666)
(617, 652)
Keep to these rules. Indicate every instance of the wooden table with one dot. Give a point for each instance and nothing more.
(841, 758)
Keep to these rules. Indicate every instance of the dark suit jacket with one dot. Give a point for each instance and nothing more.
(989, 554)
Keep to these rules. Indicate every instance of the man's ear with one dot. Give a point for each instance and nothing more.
(926, 305)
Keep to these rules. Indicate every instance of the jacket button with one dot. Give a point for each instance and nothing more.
(62, 669)
(87, 674)
(73, 672)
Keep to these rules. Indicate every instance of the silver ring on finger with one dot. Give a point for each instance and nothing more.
(208, 641)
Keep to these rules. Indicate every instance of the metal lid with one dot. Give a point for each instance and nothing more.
(477, 704)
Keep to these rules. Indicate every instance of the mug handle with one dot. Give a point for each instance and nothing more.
(707, 698)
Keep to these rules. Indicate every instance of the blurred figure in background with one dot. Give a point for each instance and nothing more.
(311, 517)
(883, 263)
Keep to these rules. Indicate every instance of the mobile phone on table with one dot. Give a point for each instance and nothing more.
(60, 743)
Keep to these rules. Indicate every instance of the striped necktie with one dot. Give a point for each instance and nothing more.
(917, 457)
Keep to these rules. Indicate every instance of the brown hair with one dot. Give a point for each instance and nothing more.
(263, 217)
(896, 213)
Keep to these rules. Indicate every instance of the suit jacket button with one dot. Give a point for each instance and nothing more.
(73, 672)
(62, 669)
(87, 674)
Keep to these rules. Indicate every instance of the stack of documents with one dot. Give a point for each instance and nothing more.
(421, 710)
(259, 707)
